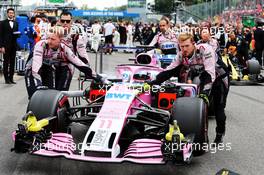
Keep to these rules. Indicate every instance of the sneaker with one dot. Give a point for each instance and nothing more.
(260, 79)
(218, 138)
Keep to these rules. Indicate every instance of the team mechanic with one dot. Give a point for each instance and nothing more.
(74, 40)
(220, 86)
(192, 62)
(206, 38)
(48, 56)
(166, 39)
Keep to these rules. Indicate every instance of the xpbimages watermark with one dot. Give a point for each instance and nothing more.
(50, 146)
(168, 147)
(215, 30)
(139, 88)
(207, 147)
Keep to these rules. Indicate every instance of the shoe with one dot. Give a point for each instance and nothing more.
(12, 82)
(7, 82)
(218, 138)
(260, 79)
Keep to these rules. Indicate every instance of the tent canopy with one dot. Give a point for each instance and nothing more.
(191, 21)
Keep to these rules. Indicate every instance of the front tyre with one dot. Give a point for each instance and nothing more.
(49, 103)
(191, 115)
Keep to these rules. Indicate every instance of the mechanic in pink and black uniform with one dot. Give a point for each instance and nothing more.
(197, 61)
(166, 39)
(206, 38)
(190, 62)
(220, 86)
(48, 56)
(75, 41)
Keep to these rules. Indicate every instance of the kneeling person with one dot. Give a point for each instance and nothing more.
(48, 57)
(191, 62)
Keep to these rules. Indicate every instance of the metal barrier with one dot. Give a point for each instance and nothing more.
(101, 52)
(210, 8)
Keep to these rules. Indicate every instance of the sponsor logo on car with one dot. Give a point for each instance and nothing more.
(118, 96)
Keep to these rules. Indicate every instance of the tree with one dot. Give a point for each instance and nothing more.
(86, 7)
(164, 6)
(119, 8)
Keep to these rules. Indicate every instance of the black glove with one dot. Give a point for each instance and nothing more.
(149, 82)
(101, 79)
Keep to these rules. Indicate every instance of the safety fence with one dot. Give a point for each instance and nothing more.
(101, 51)
(211, 8)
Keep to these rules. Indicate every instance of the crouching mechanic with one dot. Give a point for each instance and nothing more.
(200, 61)
(191, 62)
(48, 56)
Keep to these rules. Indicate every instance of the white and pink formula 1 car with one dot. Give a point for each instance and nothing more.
(125, 120)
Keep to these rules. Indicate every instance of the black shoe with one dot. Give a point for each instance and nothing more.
(12, 82)
(218, 138)
(7, 82)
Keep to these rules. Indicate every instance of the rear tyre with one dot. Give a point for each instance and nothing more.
(191, 115)
(253, 67)
(45, 103)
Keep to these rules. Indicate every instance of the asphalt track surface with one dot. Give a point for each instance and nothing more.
(243, 151)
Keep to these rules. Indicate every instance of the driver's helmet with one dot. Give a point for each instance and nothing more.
(143, 58)
(142, 76)
(232, 50)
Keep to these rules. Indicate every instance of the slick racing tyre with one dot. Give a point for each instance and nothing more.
(253, 67)
(191, 115)
(49, 103)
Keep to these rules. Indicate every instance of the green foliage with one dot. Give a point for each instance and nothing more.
(56, 1)
(120, 8)
(164, 6)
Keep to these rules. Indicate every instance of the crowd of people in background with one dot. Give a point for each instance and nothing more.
(248, 41)
(128, 33)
